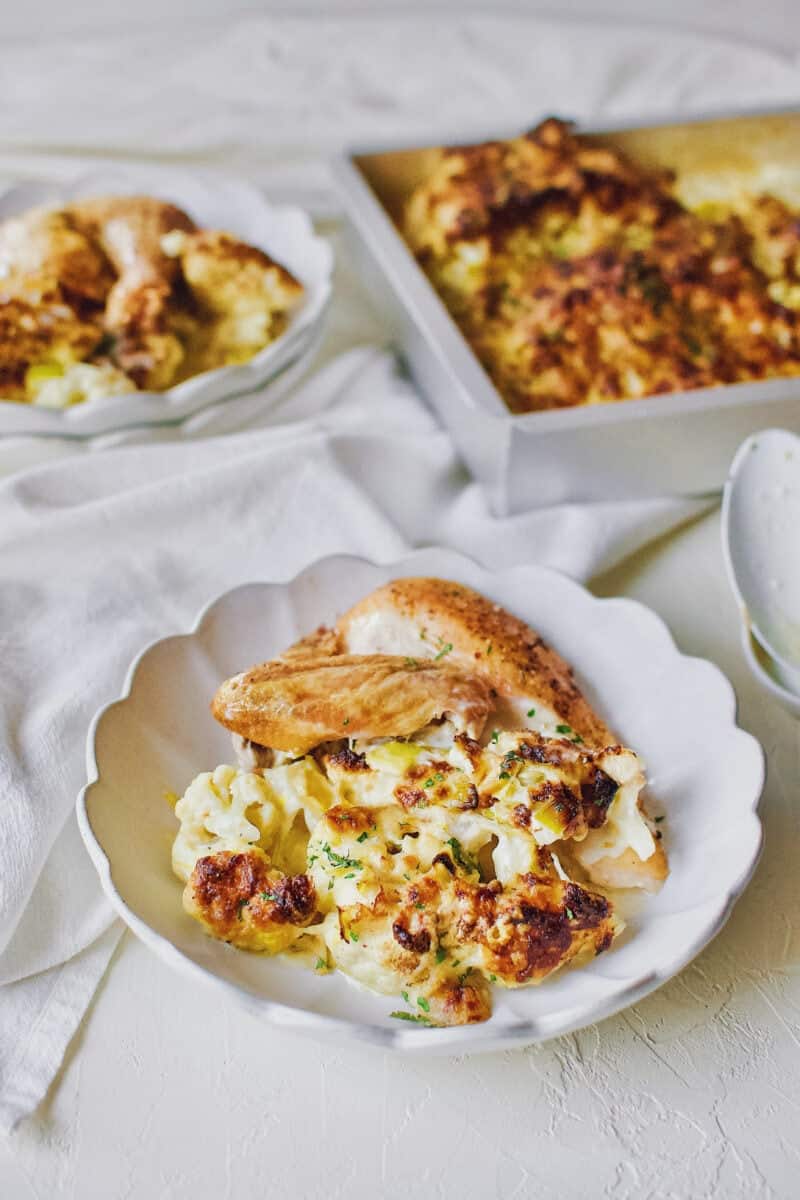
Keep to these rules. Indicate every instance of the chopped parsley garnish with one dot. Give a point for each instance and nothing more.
(446, 648)
(428, 783)
(411, 662)
(423, 633)
(242, 905)
(531, 712)
(339, 860)
(492, 979)
(419, 904)
(423, 1003)
(350, 875)
(269, 896)
(405, 996)
(353, 935)
(415, 1017)
(495, 735)
(320, 964)
(504, 775)
(438, 777)
(462, 858)
(330, 885)
(362, 837)
(658, 820)
(489, 648)
(570, 914)
(441, 954)
(569, 732)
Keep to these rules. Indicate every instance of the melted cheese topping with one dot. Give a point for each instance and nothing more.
(420, 868)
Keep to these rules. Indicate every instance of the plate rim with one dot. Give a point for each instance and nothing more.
(459, 1039)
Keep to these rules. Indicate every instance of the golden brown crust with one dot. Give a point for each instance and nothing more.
(448, 619)
(322, 641)
(240, 898)
(298, 703)
(47, 248)
(578, 276)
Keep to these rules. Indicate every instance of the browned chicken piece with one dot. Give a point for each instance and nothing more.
(296, 704)
(130, 230)
(46, 251)
(437, 618)
(240, 898)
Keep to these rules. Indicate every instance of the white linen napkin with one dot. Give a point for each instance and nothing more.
(102, 553)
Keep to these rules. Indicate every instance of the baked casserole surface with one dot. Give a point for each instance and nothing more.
(580, 277)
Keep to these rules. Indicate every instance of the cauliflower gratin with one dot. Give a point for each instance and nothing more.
(108, 296)
(431, 823)
(580, 277)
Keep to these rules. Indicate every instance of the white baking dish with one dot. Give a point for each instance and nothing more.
(673, 444)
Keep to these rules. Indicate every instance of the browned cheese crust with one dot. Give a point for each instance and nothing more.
(579, 277)
(241, 899)
(297, 703)
(475, 634)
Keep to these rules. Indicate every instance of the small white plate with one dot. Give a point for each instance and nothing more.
(214, 202)
(706, 776)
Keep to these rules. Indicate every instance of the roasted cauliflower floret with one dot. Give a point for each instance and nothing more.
(230, 809)
(240, 898)
(247, 295)
(40, 338)
(414, 917)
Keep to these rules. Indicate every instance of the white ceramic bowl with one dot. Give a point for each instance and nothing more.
(759, 522)
(214, 202)
(679, 712)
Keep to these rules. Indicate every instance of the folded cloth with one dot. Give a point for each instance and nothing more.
(103, 553)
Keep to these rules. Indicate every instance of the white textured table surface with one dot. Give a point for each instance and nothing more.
(693, 1093)
(166, 1093)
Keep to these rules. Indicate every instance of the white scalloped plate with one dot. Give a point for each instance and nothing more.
(214, 202)
(705, 774)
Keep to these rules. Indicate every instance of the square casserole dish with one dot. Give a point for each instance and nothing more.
(670, 444)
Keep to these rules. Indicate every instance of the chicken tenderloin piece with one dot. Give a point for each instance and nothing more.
(296, 704)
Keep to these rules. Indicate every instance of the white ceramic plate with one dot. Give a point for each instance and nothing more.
(679, 712)
(214, 202)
